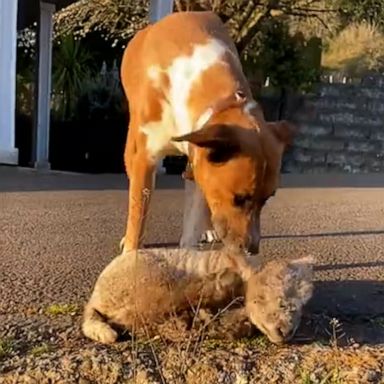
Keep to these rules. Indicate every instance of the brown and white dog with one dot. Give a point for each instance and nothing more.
(187, 94)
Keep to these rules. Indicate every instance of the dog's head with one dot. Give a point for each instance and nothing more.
(236, 162)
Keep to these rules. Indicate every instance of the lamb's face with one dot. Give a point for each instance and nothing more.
(276, 295)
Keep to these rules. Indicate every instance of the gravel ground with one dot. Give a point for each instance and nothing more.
(58, 231)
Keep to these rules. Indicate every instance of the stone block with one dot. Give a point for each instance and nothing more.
(338, 117)
(373, 80)
(306, 156)
(335, 90)
(302, 141)
(336, 158)
(375, 106)
(315, 129)
(291, 167)
(318, 158)
(301, 156)
(375, 164)
(326, 144)
(344, 159)
(349, 118)
(336, 103)
(371, 93)
(344, 131)
(378, 134)
(315, 169)
(368, 120)
(362, 146)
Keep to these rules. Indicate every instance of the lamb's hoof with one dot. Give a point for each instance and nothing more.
(103, 333)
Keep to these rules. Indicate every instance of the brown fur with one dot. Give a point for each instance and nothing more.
(250, 149)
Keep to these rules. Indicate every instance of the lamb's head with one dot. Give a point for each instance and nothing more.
(275, 297)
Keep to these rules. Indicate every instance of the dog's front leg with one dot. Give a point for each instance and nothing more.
(197, 216)
(141, 185)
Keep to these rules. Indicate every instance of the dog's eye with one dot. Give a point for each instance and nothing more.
(240, 200)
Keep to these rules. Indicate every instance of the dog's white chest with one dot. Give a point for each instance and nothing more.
(176, 117)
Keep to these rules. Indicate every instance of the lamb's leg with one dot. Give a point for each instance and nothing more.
(96, 328)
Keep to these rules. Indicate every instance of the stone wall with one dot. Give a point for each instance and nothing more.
(341, 130)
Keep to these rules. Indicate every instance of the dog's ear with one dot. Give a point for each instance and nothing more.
(283, 130)
(223, 141)
(211, 136)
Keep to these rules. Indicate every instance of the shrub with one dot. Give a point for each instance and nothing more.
(287, 60)
(356, 50)
(101, 97)
(72, 66)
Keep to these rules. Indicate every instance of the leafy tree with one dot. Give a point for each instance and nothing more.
(72, 64)
(284, 58)
(253, 24)
(118, 20)
(357, 50)
(371, 11)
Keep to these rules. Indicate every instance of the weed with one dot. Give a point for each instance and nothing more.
(39, 350)
(212, 344)
(305, 377)
(6, 347)
(357, 49)
(62, 309)
(336, 332)
(378, 321)
(333, 377)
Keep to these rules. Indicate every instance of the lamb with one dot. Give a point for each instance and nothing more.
(140, 289)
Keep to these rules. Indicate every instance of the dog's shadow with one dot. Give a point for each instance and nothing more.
(349, 311)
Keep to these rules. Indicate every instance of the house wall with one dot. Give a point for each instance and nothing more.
(341, 129)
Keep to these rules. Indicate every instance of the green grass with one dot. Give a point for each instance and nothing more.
(259, 342)
(378, 321)
(332, 377)
(39, 350)
(6, 347)
(62, 309)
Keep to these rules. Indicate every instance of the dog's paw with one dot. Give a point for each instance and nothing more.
(121, 244)
(210, 236)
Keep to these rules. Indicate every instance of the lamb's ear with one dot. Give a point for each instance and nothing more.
(303, 265)
(305, 291)
(302, 271)
(283, 130)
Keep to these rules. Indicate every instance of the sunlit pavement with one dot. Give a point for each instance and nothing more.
(58, 230)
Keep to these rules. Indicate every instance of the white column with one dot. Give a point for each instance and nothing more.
(44, 85)
(159, 8)
(8, 37)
